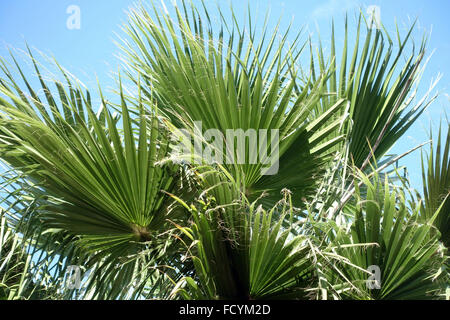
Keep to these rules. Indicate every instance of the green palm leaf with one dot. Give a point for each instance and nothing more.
(379, 86)
(405, 249)
(98, 177)
(436, 187)
(273, 265)
(233, 81)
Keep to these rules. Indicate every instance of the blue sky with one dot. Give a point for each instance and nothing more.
(90, 52)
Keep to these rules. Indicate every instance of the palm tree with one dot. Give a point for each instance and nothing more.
(103, 188)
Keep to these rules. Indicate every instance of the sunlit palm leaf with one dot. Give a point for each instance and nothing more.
(379, 83)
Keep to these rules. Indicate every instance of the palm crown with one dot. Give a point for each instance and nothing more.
(104, 190)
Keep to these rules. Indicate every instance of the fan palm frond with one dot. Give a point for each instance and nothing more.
(236, 81)
(97, 176)
(405, 254)
(380, 83)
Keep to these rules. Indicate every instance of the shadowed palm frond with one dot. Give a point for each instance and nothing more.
(405, 250)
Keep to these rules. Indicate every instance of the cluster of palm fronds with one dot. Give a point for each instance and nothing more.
(102, 190)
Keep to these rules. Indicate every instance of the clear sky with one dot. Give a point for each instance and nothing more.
(89, 52)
